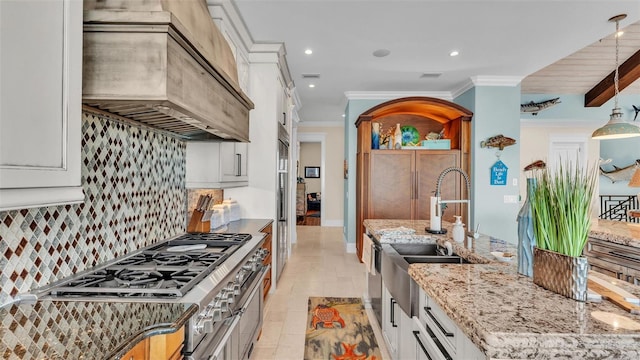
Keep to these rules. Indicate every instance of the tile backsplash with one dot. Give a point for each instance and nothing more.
(134, 185)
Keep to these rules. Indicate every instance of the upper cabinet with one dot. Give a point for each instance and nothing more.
(216, 165)
(40, 106)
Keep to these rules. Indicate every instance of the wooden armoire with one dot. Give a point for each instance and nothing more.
(398, 184)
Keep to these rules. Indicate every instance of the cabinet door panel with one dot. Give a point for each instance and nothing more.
(391, 185)
(429, 165)
(40, 107)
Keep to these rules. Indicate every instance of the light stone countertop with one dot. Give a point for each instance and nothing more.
(509, 317)
(618, 232)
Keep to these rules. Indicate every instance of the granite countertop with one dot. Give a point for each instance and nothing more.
(618, 232)
(84, 330)
(94, 330)
(509, 317)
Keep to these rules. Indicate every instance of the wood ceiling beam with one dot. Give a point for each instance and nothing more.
(628, 72)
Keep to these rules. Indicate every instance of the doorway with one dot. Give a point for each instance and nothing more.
(310, 175)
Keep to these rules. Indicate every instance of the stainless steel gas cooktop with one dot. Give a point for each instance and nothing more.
(164, 271)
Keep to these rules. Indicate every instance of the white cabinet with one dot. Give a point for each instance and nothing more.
(436, 336)
(397, 328)
(233, 161)
(41, 103)
(216, 165)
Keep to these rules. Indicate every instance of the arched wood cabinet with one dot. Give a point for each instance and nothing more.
(398, 184)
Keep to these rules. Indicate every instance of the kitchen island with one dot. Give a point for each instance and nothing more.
(508, 317)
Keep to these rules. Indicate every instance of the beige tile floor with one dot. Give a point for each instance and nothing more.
(318, 266)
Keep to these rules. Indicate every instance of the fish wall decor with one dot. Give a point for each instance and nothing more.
(538, 164)
(620, 174)
(637, 110)
(498, 141)
(535, 107)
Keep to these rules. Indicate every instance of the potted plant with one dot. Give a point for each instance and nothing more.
(561, 214)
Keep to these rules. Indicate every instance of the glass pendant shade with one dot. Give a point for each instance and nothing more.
(616, 128)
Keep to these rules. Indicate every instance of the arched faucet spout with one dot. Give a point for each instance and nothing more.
(440, 202)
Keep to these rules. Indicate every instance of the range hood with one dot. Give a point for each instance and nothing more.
(163, 63)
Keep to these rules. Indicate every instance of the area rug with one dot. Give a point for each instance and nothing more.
(338, 329)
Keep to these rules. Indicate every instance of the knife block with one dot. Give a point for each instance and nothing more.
(194, 224)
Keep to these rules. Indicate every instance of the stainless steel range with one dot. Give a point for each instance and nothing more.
(221, 273)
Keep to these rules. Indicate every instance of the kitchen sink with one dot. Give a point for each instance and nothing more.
(440, 259)
(415, 249)
(395, 261)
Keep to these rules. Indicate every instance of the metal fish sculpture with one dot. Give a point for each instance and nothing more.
(620, 174)
(538, 164)
(535, 107)
(498, 141)
(637, 110)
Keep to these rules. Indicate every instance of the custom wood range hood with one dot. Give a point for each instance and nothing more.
(163, 63)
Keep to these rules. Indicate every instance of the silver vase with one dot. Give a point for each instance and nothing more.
(562, 274)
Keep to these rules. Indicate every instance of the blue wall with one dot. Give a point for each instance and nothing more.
(496, 110)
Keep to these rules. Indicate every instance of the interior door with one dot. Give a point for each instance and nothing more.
(429, 165)
(392, 177)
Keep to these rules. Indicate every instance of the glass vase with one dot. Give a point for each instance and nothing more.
(526, 237)
(375, 135)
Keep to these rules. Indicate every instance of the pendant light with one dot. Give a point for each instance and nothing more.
(616, 128)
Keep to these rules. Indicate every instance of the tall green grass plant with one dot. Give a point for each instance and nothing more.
(561, 207)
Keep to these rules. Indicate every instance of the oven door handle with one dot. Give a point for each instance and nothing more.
(225, 338)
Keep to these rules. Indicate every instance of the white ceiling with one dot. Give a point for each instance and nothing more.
(507, 38)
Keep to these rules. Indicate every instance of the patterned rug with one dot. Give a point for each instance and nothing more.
(339, 329)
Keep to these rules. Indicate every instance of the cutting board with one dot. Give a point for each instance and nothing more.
(613, 297)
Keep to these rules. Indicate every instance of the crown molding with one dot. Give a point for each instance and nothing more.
(390, 95)
(228, 10)
(488, 80)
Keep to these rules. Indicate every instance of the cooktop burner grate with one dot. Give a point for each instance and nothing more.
(156, 272)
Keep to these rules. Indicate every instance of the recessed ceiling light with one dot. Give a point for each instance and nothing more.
(454, 53)
(342, 115)
(381, 53)
(308, 51)
(312, 85)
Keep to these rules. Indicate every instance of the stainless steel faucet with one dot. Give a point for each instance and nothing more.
(463, 201)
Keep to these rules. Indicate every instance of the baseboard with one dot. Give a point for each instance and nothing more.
(350, 248)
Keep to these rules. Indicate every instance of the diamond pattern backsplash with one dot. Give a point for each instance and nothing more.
(134, 186)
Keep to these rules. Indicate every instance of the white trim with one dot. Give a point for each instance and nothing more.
(462, 89)
(297, 103)
(490, 80)
(350, 248)
(390, 95)
(486, 80)
(14, 199)
(321, 138)
(227, 10)
(321, 124)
